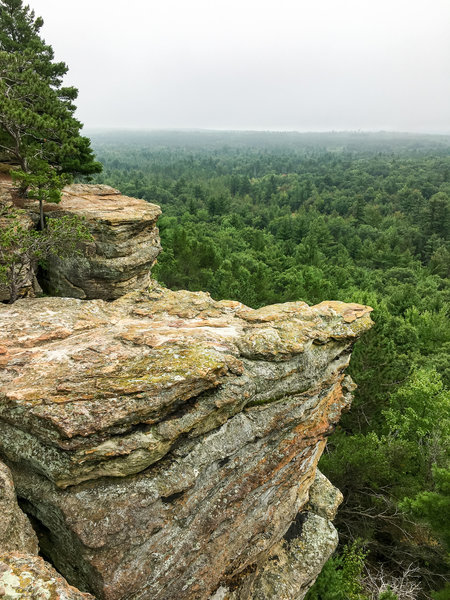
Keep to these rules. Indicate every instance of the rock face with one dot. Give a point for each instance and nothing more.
(27, 577)
(165, 443)
(126, 244)
(16, 533)
(119, 259)
(294, 563)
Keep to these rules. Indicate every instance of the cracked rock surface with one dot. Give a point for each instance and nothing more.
(164, 443)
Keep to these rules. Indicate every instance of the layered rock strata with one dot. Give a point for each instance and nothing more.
(164, 443)
(124, 247)
(24, 575)
(125, 241)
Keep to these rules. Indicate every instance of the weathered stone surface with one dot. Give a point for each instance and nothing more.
(27, 577)
(126, 243)
(119, 377)
(16, 532)
(295, 562)
(166, 441)
(118, 260)
(24, 575)
(324, 498)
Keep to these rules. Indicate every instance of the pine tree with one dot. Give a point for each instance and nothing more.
(38, 129)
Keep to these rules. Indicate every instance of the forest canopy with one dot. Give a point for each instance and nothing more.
(265, 218)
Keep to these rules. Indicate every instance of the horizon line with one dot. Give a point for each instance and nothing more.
(287, 131)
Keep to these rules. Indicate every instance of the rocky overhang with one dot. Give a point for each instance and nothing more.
(165, 442)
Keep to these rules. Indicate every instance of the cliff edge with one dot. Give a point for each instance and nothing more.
(165, 445)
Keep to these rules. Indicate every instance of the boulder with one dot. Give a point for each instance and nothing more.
(165, 443)
(28, 577)
(295, 562)
(124, 247)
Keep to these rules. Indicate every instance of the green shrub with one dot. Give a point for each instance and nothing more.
(340, 579)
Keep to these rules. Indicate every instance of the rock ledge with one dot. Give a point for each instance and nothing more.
(164, 443)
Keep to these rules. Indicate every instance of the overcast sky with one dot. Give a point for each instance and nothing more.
(306, 65)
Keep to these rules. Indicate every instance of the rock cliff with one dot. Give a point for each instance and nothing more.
(124, 247)
(165, 444)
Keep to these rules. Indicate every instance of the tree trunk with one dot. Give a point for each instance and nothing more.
(41, 214)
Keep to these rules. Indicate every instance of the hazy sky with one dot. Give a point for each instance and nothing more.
(306, 65)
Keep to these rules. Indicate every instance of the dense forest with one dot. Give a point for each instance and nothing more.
(265, 218)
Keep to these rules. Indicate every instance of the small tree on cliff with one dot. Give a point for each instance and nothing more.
(22, 248)
(38, 129)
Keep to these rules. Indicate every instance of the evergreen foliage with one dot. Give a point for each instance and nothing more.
(264, 218)
(38, 129)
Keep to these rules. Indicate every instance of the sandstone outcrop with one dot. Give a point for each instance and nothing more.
(125, 242)
(124, 248)
(165, 443)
